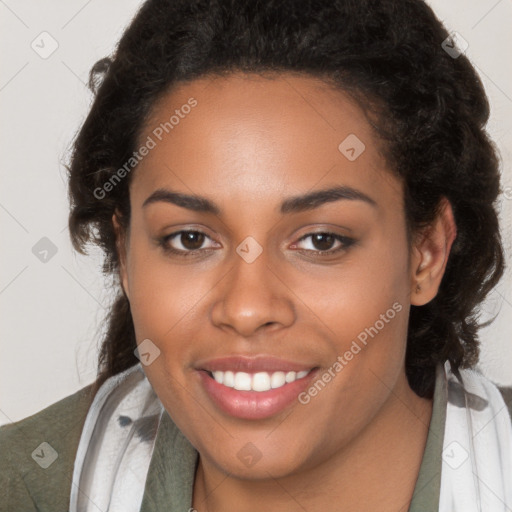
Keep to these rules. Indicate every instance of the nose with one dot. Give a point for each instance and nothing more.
(253, 298)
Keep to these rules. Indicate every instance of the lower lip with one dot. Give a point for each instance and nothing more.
(253, 405)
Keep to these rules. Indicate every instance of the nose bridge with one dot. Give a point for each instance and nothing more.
(252, 294)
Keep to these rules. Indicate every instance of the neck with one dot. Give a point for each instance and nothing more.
(377, 470)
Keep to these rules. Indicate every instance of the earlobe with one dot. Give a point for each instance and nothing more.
(121, 252)
(430, 255)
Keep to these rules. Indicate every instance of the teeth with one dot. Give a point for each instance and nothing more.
(261, 381)
(242, 381)
(277, 380)
(229, 379)
(290, 377)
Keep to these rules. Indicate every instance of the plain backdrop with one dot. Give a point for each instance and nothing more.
(52, 300)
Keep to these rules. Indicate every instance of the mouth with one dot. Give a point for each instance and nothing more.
(254, 389)
(259, 382)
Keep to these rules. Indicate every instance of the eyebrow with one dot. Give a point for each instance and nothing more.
(294, 204)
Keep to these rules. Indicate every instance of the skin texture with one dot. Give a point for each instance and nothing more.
(250, 143)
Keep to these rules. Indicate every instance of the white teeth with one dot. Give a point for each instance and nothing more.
(229, 379)
(261, 381)
(242, 381)
(290, 376)
(277, 380)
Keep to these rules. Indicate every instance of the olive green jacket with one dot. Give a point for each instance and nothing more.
(27, 486)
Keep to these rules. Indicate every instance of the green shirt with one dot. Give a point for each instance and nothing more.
(26, 487)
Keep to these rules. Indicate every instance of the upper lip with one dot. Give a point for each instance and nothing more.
(252, 364)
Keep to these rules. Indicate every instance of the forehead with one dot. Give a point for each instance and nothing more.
(258, 138)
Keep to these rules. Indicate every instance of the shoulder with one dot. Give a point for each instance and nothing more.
(37, 454)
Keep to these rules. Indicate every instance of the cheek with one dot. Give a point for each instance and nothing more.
(162, 294)
(164, 302)
(351, 297)
(363, 310)
(363, 307)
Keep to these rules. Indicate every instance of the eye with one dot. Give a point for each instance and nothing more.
(184, 243)
(322, 243)
(190, 242)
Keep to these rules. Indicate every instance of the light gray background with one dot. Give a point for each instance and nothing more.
(52, 311)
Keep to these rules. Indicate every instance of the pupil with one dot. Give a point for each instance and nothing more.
(187, 239)
(324, 239)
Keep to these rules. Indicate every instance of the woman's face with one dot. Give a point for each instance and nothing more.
(275, 248)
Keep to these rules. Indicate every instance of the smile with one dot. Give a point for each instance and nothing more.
(261, 381)
(253, 388)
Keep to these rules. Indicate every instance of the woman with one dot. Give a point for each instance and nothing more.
(297, 200)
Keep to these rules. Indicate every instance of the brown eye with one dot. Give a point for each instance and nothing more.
(185, 243)
(324, 243)
(192, 240)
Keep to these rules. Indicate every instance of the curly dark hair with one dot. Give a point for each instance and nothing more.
(428, 108)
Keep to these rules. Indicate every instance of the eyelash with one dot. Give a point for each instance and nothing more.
(346, 242)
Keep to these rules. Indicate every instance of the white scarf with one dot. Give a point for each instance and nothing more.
(116, 445)
(476, 473)
(119, 433)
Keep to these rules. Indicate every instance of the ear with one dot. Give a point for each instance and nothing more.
(121, 242)
(430, 255)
